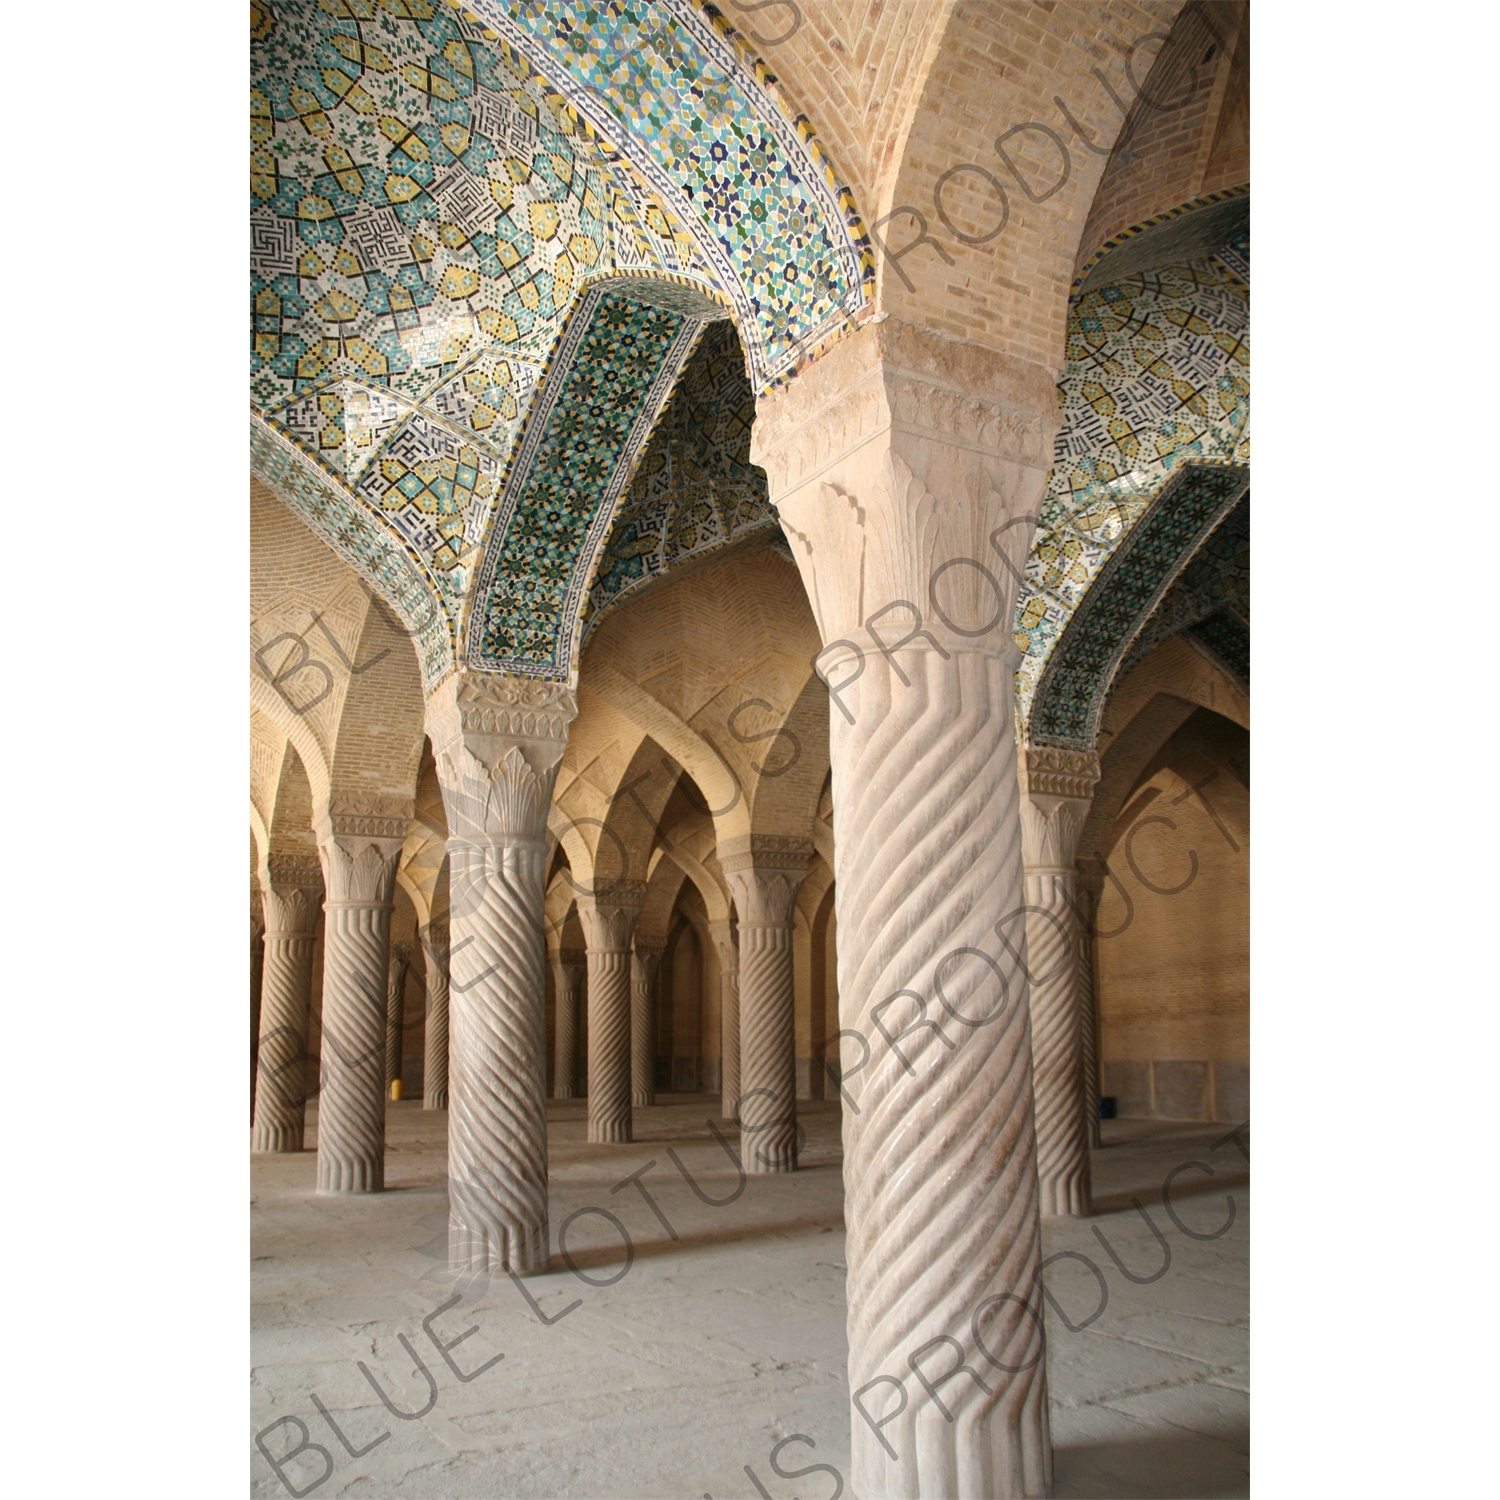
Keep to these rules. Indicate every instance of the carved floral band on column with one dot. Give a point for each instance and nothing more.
(1057, 787)
(291, 899)
(497, 742)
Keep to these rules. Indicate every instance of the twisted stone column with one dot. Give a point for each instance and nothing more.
(435, 1055)
(359, 851)
(608, 921)
(907, 470)
(1057, 786)
(644, 962)
(497, 742)
(395, 1010)
(1088, 1015)
(291, 895)
(728, 949)
(257, 963)
(567, 982)
(764, 879)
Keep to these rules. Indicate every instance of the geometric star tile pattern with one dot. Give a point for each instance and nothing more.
(695, 490)
(1214, 585)
(427, 212)
(617, 365)
(1157, 377)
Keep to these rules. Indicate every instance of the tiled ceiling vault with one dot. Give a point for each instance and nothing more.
(696, 490)
(439, 237)
(1157, 383)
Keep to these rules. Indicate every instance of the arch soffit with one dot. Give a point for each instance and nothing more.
(1155, 399)
(1152, 701)
(1005, 222)
(415, 285)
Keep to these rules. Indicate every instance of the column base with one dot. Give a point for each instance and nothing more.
(437, 1099)
(564, 1093)
(1066, 1197)
(276, 1138)
(494, 1249)
(765, 1160)
(640, 1097)
(351, 1176)
(609, 1132)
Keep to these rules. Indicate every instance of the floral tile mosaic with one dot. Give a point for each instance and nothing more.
(1158, 377)
(708, 130)
(427, 214)
(695, 490)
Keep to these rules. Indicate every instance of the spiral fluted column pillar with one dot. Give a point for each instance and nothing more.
(497, 742)
(1057, 787)
(291, 897)
(434, 938)
(608, 922)
(1088, 1015)
(764, 878)
(257, 964)
(726, 945)
(395, 1009)
(359, 851)
(907, 470)
(645, 959)
(567, 985)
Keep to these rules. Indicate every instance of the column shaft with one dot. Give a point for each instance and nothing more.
(497, 1111)
(351, 1103)
(765, 878)
(729, 1018)
(609, 1045)
(395, 1010)
(435, 1042)
(1052, 949)
(643, 966)
(940, 1154)
(497, 742)
(567, 980)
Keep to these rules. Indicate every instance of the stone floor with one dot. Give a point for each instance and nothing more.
(683, 1360)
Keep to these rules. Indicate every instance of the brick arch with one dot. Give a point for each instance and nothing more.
(378, 750)
(1186, 139)
(999, 72)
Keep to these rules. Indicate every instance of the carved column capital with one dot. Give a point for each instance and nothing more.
(608, 917)
(764, 872)
(1057, 789)
(292, 893)
(907, 467)
(360, 869)
(572, 963)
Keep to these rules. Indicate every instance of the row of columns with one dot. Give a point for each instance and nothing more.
(364, 981)
(908, 471)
